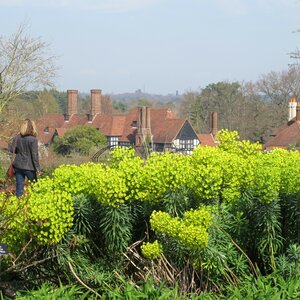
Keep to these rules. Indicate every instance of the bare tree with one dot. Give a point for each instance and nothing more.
(276, 88)
(25, 63)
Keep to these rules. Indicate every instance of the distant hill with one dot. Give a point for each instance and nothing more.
(139, 96)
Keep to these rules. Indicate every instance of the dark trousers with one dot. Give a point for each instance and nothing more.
(20, 178)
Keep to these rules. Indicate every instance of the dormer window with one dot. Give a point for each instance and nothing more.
(46, 129)
(134, 124)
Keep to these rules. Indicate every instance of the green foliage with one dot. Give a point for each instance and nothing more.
(44, 214)
(82, 215)
(270, 287)
(229, 142)
(148, 290)
(152, 250)
(288, 264)
(50, 292)
(161, 175)
(191, 230)
(220, 214)
(80, 139)
(116, 227)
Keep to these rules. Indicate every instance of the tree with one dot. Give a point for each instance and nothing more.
(107, 106)
(120, 107)
(46, 103)
(257, 116)
(223, 97)
(276, 88)
(80, 139)
(226, 99)
(25, 63)
(191, 108)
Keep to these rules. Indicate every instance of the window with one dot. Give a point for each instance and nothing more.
(46, 129)
(186, 144)
(113, 141)
(134, 124)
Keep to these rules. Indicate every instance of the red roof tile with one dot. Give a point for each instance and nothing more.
(165, 130)
(207, 139)
(103, 123)
(164, 126)
(128, 134)
(75, 120)
(118, 123)
(45, 137)
(289, 134)
(50, 120)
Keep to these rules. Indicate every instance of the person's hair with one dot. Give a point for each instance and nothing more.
(28, 128)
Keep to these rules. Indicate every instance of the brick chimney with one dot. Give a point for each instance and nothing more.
(72, 102)
(143, 125)
(298, 112)
(96, 102)
(292, 108)
(213, 123)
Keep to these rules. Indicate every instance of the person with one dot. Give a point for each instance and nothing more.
(26, 163)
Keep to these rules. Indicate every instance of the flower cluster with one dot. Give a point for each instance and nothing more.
(191, 230)
(152, 250)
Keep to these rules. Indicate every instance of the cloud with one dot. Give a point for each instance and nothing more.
(101, 5)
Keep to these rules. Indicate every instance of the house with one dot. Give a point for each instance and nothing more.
(288, 134)
(157, 127)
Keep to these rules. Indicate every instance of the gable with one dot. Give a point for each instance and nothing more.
(187, 132)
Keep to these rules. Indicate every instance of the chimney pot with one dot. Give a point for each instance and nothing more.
(292, 109)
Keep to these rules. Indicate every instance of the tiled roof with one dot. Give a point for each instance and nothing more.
(75, 120)
(45, 137)
(164, 125)
(50, 120)
(102, 122)
(128, 134)
(109, 125)
(46, 126)
(207, 139)
(118, 125)
(163, 128)
(289, 134)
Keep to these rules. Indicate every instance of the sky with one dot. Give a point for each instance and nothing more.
(159, 46)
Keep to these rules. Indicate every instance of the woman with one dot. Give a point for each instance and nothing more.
(26, 162)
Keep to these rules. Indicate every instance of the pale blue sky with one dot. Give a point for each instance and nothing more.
(159, 46)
